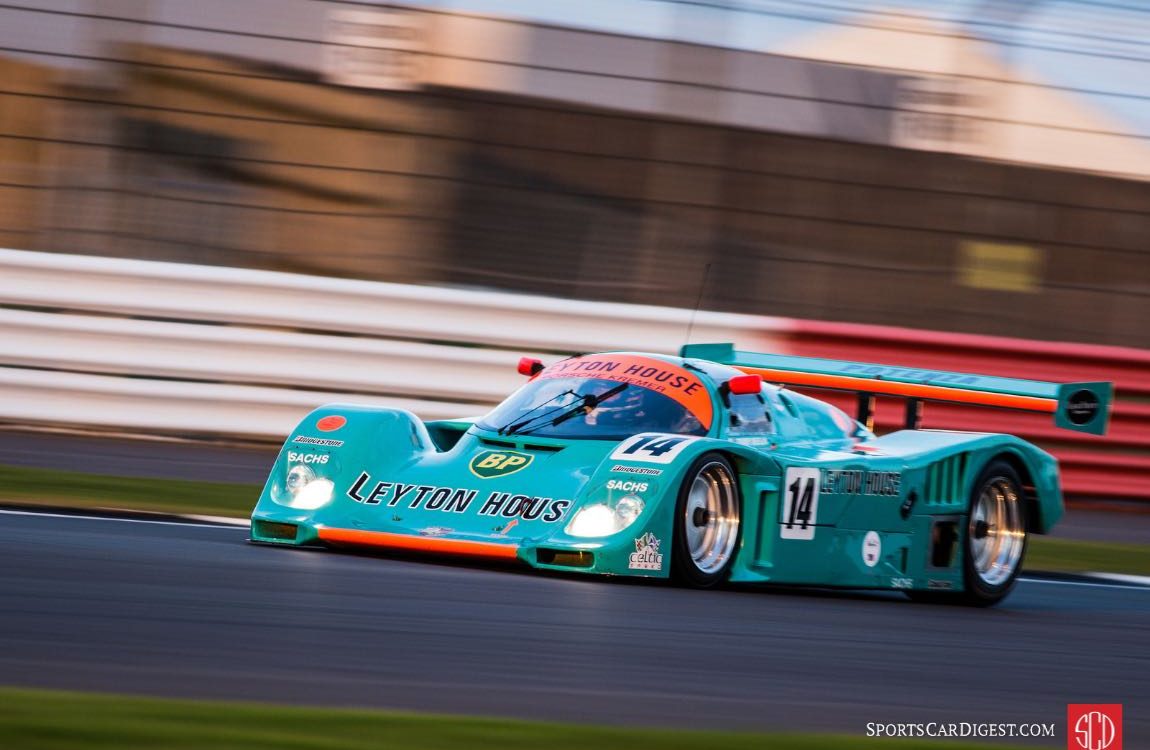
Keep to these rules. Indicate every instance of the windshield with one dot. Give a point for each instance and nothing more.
(605, 397)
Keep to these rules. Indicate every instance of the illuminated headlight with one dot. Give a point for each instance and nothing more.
(627, 510)
(298, 477)
(602, 520)
(307, 492)
(316, 494)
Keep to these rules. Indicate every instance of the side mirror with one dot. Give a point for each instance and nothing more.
(530, 366)
(743, 385)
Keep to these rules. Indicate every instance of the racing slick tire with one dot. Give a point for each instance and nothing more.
(707, 522)
(994, 544)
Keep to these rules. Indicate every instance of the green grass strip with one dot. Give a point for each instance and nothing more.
(1073, 556)
(50, 720)
(19, 484)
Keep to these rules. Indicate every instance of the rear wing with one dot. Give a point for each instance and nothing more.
(1083, 407)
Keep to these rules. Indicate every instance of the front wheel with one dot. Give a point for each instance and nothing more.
(707, 518)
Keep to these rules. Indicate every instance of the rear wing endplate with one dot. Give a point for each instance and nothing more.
(1083, 407)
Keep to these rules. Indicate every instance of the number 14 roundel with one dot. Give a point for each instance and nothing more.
(652, 448)
(800, 509)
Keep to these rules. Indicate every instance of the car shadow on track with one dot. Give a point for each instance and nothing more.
(521, 569)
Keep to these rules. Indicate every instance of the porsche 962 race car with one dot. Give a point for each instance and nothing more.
(702, 468)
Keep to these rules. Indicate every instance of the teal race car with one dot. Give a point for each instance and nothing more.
(702, 468)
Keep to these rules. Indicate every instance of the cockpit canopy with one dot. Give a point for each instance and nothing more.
(606, 397)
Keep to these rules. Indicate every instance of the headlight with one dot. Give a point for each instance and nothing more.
(298, 477)
(602, 520)
(627, 510)
(306, 491)
(316, 494)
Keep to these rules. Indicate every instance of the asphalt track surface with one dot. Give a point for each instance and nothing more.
(159, 459)
(181, 610)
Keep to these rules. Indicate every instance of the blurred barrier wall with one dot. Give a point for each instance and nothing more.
(138, 346)
(432, 147)
(1116, 465)
(146, 346)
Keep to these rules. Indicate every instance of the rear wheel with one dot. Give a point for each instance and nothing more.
(707, 517)
(995, 535)
(995, 540)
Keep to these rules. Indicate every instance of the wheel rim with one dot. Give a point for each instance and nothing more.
(711, 517)
(997, 536)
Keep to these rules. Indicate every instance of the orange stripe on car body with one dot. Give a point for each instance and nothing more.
(420, 543)
(910, 390)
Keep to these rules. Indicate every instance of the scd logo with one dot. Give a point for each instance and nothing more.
(1094, 726)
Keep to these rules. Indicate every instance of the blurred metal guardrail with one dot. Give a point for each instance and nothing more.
(150, 346)
(142, 346)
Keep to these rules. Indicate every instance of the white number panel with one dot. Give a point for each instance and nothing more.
(800, 504)
(652, 448)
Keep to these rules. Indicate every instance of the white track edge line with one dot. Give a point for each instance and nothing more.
(1121, 577)
(122, 520)
(1095, 584)
(222, 520)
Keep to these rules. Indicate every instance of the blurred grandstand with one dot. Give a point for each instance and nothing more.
(939, 165)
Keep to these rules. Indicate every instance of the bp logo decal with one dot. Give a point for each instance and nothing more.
(490, 464)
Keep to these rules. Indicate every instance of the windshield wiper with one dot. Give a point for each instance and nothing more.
(588, 403)
(512, 427)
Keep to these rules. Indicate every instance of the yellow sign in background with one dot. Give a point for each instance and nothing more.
(993, 265)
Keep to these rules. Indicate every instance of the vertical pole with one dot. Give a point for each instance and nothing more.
(866, 410)
(913, 418)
